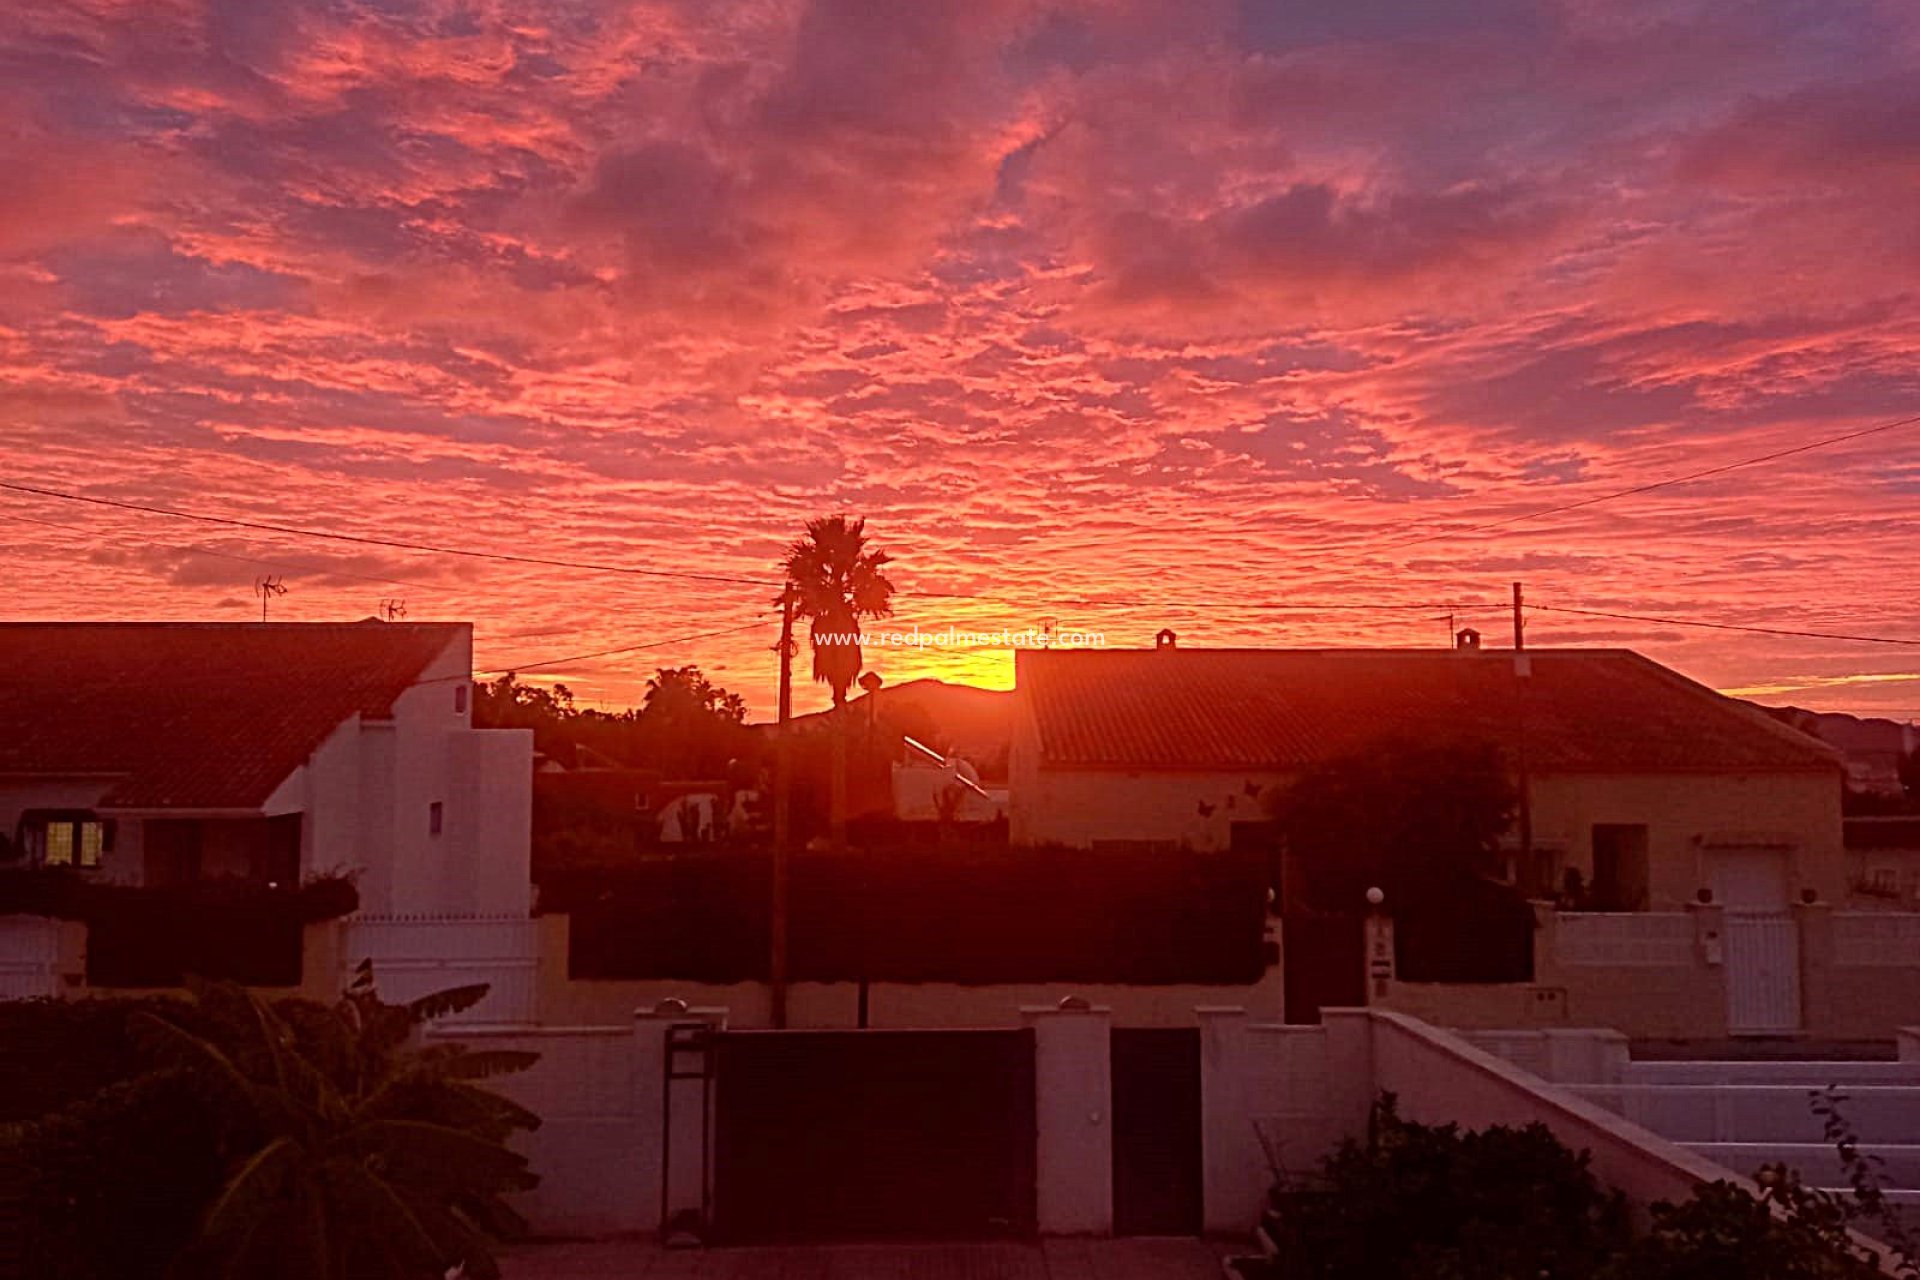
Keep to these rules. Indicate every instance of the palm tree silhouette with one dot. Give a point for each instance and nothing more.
(837, 582)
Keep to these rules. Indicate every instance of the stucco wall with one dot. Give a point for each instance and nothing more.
(1867, 989)
(1684, 814)
(1079, 807)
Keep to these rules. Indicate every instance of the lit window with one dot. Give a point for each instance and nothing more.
(59, 844)
(93, 840)
(436, 814)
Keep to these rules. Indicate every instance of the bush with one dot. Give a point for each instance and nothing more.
(55, 1054)
(154, 936)
(1420, 1202)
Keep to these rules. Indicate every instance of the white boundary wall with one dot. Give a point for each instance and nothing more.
(29, 957)
(1274, 1099)
(416, 955)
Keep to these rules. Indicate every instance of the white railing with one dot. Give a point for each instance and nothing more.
(1640, 938)
(29, 957)
(415, 956)
(1876, 939)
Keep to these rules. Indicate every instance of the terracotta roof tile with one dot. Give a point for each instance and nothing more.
(1585, 710)
(196, 715)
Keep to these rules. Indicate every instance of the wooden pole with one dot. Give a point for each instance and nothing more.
(782, 814)
(837, 819)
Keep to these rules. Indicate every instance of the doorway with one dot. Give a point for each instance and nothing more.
(1156, 1131)
(1762, 941)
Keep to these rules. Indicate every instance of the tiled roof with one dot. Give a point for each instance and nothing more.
(1584, 710)
(196, 715)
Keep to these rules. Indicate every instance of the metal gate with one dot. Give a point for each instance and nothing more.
(1157, 1178)
(862, 1134)
(1762, 973)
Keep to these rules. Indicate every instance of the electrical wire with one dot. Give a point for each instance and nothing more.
(288, 566)
(1724, 626)
(1653, 486)
(516, 668)
(369, 540)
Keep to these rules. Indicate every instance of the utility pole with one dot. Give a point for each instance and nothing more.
(782, 812)
(1522, 674)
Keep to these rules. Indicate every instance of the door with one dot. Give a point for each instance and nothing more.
(1156, 1131)
(1323, 964)
(864, 1134)
(1762, 942)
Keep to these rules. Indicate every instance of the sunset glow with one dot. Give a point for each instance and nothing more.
(1235, 318)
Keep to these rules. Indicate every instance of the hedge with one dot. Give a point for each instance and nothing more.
(973, 915)
(154, 936)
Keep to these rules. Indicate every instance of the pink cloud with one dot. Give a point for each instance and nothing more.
(1172, 305)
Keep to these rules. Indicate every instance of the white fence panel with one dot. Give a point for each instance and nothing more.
(1641, 938)
(1876, 939)
(29, 957)
(415, 956)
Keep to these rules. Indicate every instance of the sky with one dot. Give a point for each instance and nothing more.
(1236, 318)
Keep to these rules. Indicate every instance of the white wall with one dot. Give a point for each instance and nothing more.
(368, 793)
(1080, 806)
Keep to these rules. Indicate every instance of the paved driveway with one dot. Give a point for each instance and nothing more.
(1047, 1260)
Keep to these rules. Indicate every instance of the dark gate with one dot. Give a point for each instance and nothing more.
(1323, 958)
(860, 1134)
(1156, 1132)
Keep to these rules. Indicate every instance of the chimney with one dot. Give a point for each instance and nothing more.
(1466, 640)
(1166, 639)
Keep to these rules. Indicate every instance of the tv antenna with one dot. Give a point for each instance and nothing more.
(392, 610)
(267, 588)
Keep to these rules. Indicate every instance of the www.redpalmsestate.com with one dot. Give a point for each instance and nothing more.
(959, 638)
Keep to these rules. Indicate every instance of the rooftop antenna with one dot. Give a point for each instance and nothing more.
(267, 588)
(391, 610)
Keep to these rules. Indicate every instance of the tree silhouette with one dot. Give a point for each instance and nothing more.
(837, 583)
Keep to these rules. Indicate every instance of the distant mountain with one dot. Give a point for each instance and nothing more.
(1880, 753)
(961, 719)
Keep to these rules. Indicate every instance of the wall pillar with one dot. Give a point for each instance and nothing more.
(1073, 1118)
(666, 1110)
(1814, 922)
(1234, 1170)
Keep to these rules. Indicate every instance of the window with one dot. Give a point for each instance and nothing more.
(460, 699)
(64, 839)
(436, 816)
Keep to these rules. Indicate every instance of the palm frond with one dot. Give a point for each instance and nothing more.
(252, 1190)
(443, 1004)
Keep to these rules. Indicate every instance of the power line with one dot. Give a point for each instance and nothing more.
(516, 668)
(1635, 490)
(185, 549)
(1724, 626)
(396, 543)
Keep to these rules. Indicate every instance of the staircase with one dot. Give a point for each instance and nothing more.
(1742, 1115)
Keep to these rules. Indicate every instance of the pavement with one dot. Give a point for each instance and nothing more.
(1063, 1259)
